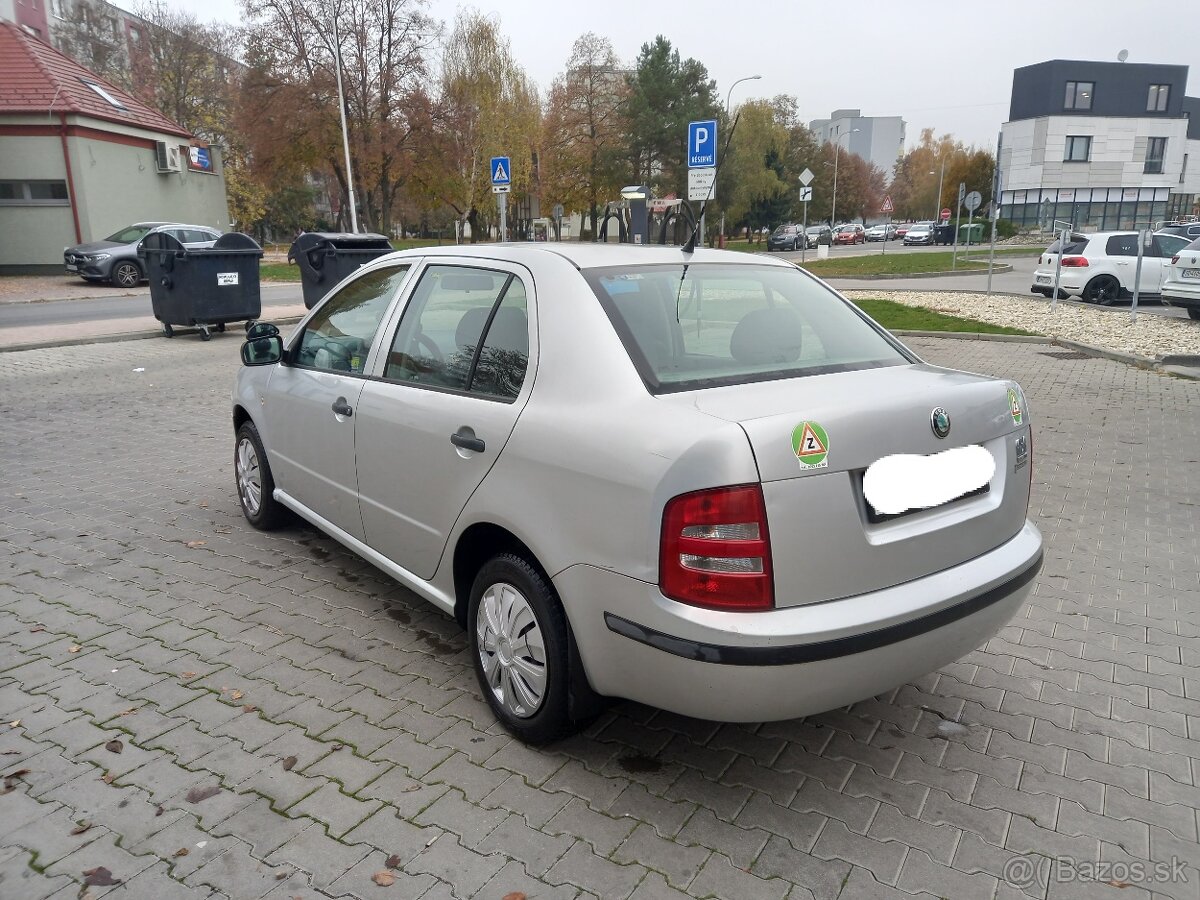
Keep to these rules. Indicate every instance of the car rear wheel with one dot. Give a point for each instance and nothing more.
(518, 636)
(1102, 289)
(1194, 313)
(255, 486)
(126, 274)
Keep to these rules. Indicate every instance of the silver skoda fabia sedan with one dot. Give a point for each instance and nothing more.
(702, 481)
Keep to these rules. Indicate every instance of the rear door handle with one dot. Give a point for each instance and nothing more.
(467, 441)
(342, 408)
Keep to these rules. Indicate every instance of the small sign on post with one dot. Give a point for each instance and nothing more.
(886, 208)
(806, 194)
(501, 185)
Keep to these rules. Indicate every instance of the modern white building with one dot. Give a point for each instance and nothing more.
(877, 139)
(1100, 145)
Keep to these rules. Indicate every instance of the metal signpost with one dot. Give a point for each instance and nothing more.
(806, 193)
(962, 195)
(702, 154)
(501, 185)
(1137, 275)
(997, 186)
(1064, 236)
(558, 216)
(972, 201)
(886, 208)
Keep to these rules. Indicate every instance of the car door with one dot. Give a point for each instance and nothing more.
(1166, 246)
(310, 404)
(449, 386)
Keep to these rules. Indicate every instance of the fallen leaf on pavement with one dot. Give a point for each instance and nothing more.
(192, 545)
(337, 747)
(36, 628)
(288, 763)
(74, 648)
(114, 746)
(109, 777)
(182, 851)
(279, 876)
(236, 695)
(249, 707)
(15, 723)
(99, 877)
(129, 712)
(513, 895)
(11, 779)
(158, 811)
(187, 674)
(81, 828)
(1119, 884)
(203, 504)
(196, 794)
(11, 753)
(394, 862)
(384, 879)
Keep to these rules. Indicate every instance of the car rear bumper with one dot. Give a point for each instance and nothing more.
(749, 667)
(1181, 294)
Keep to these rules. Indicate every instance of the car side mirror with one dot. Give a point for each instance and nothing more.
(262, 351)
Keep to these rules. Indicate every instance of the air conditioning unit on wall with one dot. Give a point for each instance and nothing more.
(167, 157)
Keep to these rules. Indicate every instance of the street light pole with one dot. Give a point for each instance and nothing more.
(337, 53)
(837, 146)
(728, 94)
(937, 211)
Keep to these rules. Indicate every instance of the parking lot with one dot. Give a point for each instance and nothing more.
(199, 710)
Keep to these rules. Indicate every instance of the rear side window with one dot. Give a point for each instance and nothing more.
(1076, 245)
(694, 326)
(1122, 245)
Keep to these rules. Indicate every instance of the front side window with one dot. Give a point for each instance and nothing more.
(339, 335)
(1157, 101)
(696, 326)
(465, 329)
(1079, 149)
(1079, 95)
(1156, 152)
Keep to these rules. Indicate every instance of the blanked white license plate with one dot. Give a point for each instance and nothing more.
(1191, 273)
(904, 482)
(72, 268)
(1043, 279)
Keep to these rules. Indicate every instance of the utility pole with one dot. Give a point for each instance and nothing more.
(337, 53)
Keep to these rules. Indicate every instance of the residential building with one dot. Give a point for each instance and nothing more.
(80, 157)
(1100, 145)
(877, 139)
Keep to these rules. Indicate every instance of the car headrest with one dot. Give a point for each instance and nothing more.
(767, 336)
(509, 331)
(470, 326)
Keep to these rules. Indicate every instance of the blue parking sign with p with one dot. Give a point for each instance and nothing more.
(501, 171)
(702, 144)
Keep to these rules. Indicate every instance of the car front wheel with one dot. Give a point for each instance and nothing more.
(255, 485)
(126, 274)
(518, 636)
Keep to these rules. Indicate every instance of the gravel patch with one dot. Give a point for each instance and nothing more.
(1152, 336)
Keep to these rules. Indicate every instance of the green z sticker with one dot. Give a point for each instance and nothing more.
(810, 443)
(1014, 406)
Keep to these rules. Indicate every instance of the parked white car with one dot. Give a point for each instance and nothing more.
(1181, 286)
(1100, 267)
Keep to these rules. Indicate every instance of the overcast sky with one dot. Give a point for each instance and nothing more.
(945, 65)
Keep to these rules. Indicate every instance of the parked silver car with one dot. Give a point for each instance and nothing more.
(637, 472)
(115, 258)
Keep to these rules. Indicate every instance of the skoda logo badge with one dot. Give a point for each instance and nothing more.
(939, 420)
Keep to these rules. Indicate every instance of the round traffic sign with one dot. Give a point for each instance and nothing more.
(973, 200)
(946, 213)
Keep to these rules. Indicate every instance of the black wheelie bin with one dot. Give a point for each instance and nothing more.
(325, 258)
(202, 288)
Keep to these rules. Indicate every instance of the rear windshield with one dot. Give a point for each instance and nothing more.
(786, 229)
(1076, 244)
(695, 326)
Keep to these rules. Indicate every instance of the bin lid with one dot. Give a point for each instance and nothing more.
(158, 242)
(235, 240)
(311, 240)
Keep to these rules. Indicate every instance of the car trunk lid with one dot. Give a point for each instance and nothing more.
(814, 438)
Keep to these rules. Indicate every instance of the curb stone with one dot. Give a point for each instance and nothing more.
(117, 338)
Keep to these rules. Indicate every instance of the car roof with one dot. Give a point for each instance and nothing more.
(585, 255)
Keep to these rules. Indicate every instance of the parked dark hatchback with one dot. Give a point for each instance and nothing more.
(786, 237)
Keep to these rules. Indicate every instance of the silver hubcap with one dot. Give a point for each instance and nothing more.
(512, 650)
(127, 276)
(249, 478)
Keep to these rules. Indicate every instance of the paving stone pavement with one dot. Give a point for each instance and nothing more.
(206, 711)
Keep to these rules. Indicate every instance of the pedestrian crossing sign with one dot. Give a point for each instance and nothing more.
(501, 170)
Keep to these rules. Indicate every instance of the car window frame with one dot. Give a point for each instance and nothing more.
(292, 345)
(376, 364)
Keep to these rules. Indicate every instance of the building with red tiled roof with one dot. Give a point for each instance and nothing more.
(80, 158)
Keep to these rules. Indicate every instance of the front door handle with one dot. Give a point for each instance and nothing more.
(467, 441)
(342, 408)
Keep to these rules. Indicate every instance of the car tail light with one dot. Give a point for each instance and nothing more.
(1174, 260)
(1074, 262)
(715, 551)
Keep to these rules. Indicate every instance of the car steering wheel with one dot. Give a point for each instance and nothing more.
(423, 340)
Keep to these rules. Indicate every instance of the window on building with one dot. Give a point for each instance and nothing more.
(1079, 149)
(105, 94)
(1079, 94)
(59, 8)
(1157, 101)
(33, 193)
(1156, 151)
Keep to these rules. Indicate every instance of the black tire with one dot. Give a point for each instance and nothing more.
(1194, 314)
(205, 334)
(253, 466)
(551, 719)
(221, 327)
(1103, 289)
(126, 274)
(168, 330)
